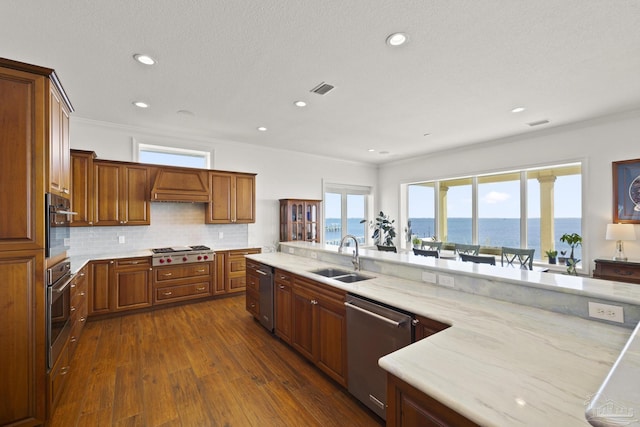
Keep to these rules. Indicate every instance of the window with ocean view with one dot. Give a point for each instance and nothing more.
(528, 208)
(345, 207)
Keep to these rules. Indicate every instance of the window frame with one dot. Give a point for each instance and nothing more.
(191, 150)
(344, 190)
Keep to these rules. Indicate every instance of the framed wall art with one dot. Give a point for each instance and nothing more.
(626, 191)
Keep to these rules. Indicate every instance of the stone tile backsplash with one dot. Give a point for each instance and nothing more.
(172, 224)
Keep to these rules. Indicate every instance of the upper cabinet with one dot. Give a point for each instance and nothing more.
(233, 197)
(299, 220)
(59, 157)
(120, 194)
(82, 199)
(173, 184)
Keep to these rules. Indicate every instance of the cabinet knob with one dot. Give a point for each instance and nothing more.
(72, 309)
(90, 222)
(82, 319)
(314, 302)
(110, 262)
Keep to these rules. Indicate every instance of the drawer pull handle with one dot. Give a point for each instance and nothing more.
(167, 293)
(65, 370)
(73, 339)
(72, 309)
(623, 272)
(82, 293)
(281, 287)
(82, 319)
(201, 288)
(200, 271)
(167, 274)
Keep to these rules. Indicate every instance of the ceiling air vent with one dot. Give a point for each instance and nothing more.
(538, 123)
(322, 88)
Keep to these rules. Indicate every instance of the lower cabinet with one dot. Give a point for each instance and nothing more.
(408, 407)
(252, 296)
(282, 295)
(425, 327)
(232, 267)
(131, 282)
(57, 379)
(183, 282)
(319, 329)
(79, 308)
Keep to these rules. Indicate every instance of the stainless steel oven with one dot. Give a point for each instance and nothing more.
(58, 309)
(57, 219)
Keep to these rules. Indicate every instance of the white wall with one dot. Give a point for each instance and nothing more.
(597, 143)
(280, 174)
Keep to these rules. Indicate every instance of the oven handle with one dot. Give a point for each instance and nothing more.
(65, 213)
(61, 288)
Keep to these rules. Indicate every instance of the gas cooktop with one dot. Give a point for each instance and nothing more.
(181, 255)
(175, 249)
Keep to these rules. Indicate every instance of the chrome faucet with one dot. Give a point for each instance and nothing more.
(356, 256)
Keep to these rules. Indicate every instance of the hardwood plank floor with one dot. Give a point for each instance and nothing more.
(202, 364)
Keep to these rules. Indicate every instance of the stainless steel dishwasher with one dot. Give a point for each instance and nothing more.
(373, 330)
(266, 296)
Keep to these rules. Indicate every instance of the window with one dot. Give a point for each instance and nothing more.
(529, 208)
(345, 207)
(173, 156)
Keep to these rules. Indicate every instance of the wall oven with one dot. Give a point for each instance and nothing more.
(57, 218)
(58, 317)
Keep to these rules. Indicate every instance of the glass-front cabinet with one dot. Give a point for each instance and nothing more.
(299, 220)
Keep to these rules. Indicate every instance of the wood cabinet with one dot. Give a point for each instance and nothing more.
(233, 198)
(131, 283)
(26, 160)
(621, 271)
(180, 185)
(409, 407)
(59, 157)
(183, 282)
(233, 274)
(82, 200)
(425, 327)
(121, 193)
(252, 297)
(57, 379)
(99, 287)
(300, 220)
(319, 329)
(283, 308)
(79, 307)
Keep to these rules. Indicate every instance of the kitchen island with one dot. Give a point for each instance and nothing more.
(499, 363)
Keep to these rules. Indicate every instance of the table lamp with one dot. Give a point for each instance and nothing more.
(620, 232)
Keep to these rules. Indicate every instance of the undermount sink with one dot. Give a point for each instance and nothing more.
(330, 272)
(341, 275)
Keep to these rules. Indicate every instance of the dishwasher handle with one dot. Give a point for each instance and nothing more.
(372, 314)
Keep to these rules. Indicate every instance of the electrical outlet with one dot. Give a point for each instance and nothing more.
(429, 277)
(314, 255)
(66, 241)
(291, 250)
(120, 239)
(613, 313)
(446, 280)
(220, 235)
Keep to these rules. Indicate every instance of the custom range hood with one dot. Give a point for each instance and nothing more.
(174, 184)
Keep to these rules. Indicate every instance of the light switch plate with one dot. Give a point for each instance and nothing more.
(429, 277)
(121, 239)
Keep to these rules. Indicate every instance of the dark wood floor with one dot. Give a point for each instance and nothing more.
(203, 364)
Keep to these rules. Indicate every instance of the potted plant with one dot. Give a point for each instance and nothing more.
(384, 230)
(562, 259)
(551, 254)
(573, 240)
(417, 242)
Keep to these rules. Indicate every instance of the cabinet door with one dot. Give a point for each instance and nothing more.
(82, 188)
(221, 274)
(65, 155)
(132, 289)
(302, 336)
(22, 341)
(134, 205)
(221, 208)
(282, 305)
(55, 143)
(99, 289)
(332, 338)
(106, 192)
(426, 327)
(245, 199)
(23, 152)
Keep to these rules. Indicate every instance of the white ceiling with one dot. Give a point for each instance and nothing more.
(240, 64)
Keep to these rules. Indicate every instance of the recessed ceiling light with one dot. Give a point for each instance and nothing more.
(262, 129)
(518, 110)
(141, 104)
(371, 150)
(384, 153)
(397, 39)
(426, 134)
(185, 113)
(300, 104)
(144, 59)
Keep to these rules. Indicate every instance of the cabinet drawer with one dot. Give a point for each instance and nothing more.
(237, 264)
(177, 293)
(132, 262)
(252, 304)
(283, 277)
(253, 281)
(182, 271)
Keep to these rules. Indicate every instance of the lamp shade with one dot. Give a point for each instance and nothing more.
(620, 232)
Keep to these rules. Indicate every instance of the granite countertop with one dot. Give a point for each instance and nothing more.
(500, 363)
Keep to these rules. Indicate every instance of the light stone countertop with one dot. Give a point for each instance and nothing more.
(500, 364)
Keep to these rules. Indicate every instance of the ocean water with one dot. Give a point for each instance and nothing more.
(494, 232)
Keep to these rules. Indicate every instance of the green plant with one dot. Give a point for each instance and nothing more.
(416, 241)
(383, 229)
(573, 240)
(551, 253)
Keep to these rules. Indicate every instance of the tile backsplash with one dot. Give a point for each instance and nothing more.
(172, 224)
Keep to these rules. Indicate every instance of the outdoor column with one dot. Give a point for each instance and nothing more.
(547, 214)
(442, 213)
